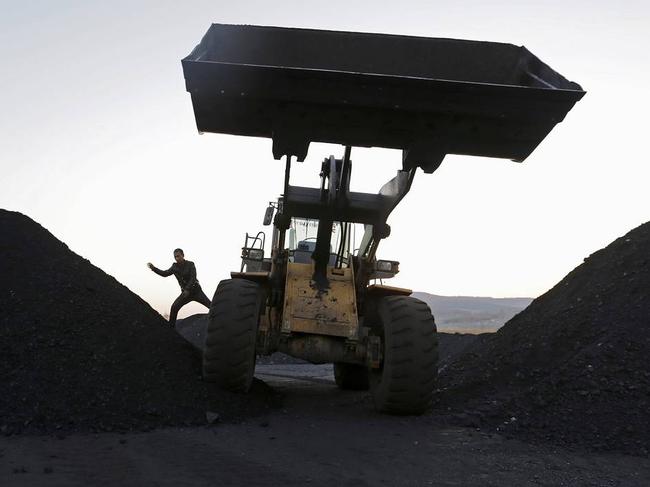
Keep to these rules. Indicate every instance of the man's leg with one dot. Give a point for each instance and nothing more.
(199, 296)
(176, 306)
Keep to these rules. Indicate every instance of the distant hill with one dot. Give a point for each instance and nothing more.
(472, 314)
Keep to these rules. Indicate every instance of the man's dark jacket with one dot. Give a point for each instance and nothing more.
(184, 273)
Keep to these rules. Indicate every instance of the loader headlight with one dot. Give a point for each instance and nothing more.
(387, 266)
(384, 265)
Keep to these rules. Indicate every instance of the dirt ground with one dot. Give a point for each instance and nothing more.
(321, 436)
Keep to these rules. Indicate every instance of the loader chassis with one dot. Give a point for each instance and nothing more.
(315, 310)
(320, 307)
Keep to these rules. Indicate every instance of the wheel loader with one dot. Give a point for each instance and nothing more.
(316, 295)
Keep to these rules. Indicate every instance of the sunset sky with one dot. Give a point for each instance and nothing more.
(99, 143)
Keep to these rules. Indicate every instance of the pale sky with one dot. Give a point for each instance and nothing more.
(98, 143)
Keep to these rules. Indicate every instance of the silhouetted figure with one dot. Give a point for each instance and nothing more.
(185, 273)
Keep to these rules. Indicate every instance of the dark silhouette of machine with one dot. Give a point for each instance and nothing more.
(313, 297)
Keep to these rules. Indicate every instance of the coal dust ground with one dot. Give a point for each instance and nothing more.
(321, 436)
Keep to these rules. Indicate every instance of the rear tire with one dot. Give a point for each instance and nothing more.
(406, 379)
(351, 377)
(229, 354)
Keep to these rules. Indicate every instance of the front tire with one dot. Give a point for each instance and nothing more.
(406, 379)
(229, 354)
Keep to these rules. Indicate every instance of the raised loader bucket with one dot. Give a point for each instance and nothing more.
(427, 96)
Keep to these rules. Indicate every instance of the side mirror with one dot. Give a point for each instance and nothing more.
(268, 216)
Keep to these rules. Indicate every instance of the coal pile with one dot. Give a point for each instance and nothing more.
(80, 352)
(574, 367)
(193, 329)
(451, 345)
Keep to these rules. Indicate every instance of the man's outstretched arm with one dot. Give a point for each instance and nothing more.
(160, 272)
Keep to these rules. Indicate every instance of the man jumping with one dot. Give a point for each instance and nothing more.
(185, 273)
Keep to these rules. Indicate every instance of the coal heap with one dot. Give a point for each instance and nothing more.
(81, 352)
(574, 367)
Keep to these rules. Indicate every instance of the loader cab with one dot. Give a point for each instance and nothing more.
(301, 242)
